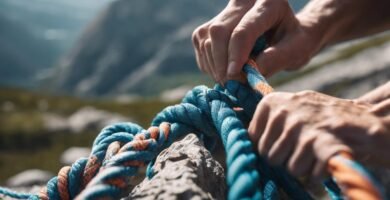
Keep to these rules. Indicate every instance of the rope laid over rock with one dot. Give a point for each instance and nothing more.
(119, 150)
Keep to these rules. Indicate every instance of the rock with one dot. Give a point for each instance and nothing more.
(175, 94)
(55, 123)
(185, 170)
(347, 78)
(69, 156)
(86, 118)
(29, 178)
(8, 106)
(92, 118)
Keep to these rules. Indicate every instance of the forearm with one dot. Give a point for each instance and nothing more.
(377, 95)
(338, 20)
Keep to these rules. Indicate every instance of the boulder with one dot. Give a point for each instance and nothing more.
(29, 178)
(86, 118)
(185, 170)
(92, 118)
(175, 94)
(69, 156)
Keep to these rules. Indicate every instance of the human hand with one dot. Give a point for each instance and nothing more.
(223, 44)
(303, 130)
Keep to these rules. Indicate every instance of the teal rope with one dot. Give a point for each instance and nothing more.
(17, 195)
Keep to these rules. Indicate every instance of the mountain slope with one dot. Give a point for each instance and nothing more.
(21, 53)
(138, 46)
(132, 40)
(35, 33)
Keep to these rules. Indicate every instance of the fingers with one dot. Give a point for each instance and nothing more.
(232, 34)
(211, 40)
(287, 54)
(302, 160)
(272, 132)
(259, 121)
(209, 65)
(283, 146)
(199, 37)
(254, 23)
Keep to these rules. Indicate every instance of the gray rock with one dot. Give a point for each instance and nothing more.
(185, 170)
(29, 177)
(175, 94)
(8, 106)
(86, 118)
(353, 76)
(69, 156)
(92, 118)
(55, 123)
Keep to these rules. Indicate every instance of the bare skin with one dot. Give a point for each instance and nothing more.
(303, 130)
(223, 44)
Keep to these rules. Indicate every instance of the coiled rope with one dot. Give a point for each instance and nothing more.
(119, 150)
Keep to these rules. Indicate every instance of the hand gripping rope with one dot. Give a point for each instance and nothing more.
(119, 150)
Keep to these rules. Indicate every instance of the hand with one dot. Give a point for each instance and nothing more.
(222, 45)
(303, 130)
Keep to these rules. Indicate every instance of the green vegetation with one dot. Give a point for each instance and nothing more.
(24, 142)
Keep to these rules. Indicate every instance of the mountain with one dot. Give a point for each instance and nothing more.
(21, 53)
(35, 33)
(134, 45)
(137, 46)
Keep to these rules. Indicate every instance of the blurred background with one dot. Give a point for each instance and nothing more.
(70, 67)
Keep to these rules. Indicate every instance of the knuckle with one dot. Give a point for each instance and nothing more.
(217, 30)
(338, 125)
(207, 44)
(194, 39)
(305, 93)
(201, 31)
(376, 131)
(293, 169)
(293, 127)
(274, 160)
(240, 33)
(271, 3)
(273, 96)
(241, 4)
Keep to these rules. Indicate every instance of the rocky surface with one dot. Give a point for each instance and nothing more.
(29, 178)
(175, 94)
(86, 118)
(347, 78)
(69, 156)
(185, 170)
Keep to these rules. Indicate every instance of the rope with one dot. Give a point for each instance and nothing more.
(119, 150)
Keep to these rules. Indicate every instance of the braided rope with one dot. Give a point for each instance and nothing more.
(119, 150)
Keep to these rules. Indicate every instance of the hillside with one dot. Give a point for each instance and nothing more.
(26, 139)
(140, 47)
(22, 53)
(35, 33)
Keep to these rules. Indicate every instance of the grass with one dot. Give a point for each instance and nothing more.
(24, 142)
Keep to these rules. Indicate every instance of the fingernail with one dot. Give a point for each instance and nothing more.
(231, 71)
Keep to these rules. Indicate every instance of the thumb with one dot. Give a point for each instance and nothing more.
(288, 54)
(273, 59)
